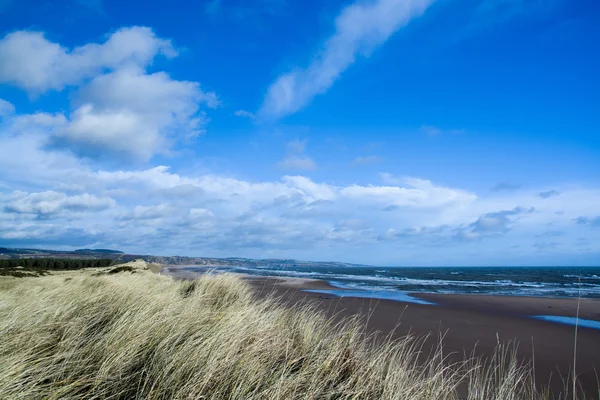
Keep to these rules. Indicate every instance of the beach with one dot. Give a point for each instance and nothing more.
(468, 323)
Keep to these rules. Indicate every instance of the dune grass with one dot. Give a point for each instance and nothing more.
(137, 335)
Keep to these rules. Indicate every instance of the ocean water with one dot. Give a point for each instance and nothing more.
(509, 281)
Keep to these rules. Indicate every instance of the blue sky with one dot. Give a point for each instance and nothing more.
(392, 132)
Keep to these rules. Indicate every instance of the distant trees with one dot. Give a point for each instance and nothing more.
(54, 263)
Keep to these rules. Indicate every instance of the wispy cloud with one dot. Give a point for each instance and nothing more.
(297, 162)
(297, 145)
(359, 29)
(434, 131)
(295, 159)
(245, 114)
(549, 234)
(548, 194)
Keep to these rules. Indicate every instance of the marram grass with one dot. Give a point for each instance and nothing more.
(91, 335)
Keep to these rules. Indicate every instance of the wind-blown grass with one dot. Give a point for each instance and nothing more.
(143, 336)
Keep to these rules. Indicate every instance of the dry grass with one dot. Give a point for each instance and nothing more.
(137, 335)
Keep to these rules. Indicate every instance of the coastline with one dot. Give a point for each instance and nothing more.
(467, 323)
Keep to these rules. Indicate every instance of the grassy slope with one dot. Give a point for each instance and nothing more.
(130, 335)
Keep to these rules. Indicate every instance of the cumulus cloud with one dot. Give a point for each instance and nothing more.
(170, 212)
(359, 29)
(119, 108)
(34, 63)
(131, 112)
(66, 200)
(54, 191)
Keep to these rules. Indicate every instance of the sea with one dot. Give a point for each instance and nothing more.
(581, 282)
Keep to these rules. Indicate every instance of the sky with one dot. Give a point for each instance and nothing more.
(385, 132)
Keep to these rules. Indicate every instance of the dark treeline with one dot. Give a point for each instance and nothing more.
(54, 263)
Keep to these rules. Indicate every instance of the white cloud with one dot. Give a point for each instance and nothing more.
(131, 112)
(419, 194)
(66, 199)
(359, 29)
(297, 145)
(151, 212)
(32, 62)
(434, 131)
(51, 196)
(120, 108)
(311, 190)
(199, 214)
(51, 202)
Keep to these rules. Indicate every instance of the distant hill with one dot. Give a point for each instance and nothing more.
(232, 261)
(118, 257)
(104, 251)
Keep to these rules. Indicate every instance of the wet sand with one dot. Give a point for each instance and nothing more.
(470, 322)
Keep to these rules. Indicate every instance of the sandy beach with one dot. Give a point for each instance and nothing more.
(469, 323)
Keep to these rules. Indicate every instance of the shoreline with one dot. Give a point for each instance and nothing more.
(589, 308)
(558, 306)
(471, 324)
